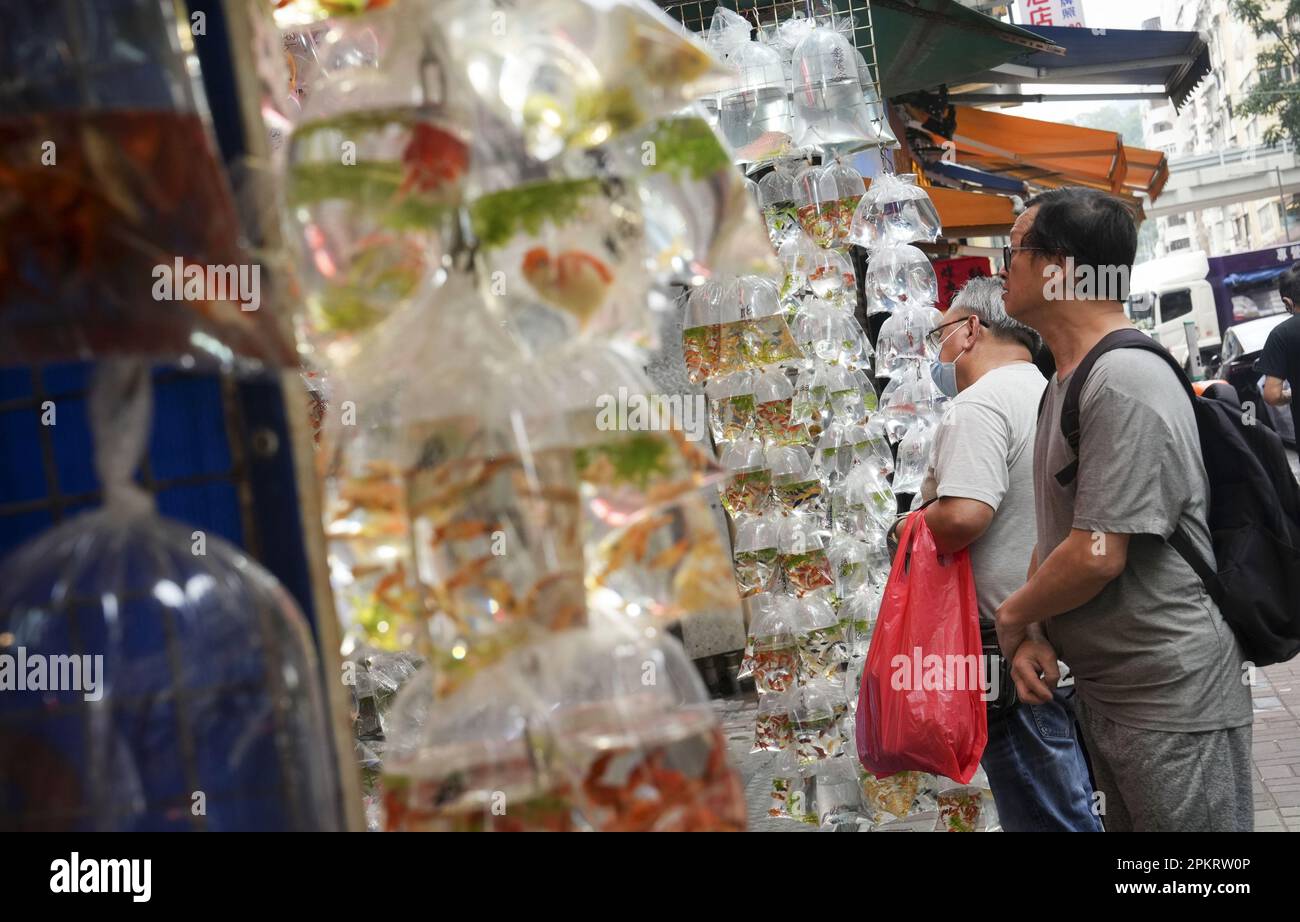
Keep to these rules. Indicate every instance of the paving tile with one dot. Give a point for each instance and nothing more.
(1275, 771)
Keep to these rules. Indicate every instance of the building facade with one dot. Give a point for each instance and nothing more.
(1209, 125)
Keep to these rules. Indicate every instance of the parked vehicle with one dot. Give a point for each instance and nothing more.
(1215, 292)
(1242, 345)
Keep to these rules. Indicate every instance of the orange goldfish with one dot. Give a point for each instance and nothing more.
(573, 280)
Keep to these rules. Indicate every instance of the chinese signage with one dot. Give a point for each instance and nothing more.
(1050, 12)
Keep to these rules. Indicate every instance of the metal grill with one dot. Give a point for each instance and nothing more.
(697, 14)
(198, 472)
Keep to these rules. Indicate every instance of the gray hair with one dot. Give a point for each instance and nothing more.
(982, 296)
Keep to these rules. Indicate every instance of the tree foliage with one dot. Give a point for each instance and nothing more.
(1276, 91)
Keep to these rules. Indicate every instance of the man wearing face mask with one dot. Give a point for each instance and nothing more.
(980, 490)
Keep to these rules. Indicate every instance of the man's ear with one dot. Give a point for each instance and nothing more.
(1290, 305)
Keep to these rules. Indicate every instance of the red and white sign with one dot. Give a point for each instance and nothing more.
(1050, 12)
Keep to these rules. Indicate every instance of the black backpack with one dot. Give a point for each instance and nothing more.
(1254, 509)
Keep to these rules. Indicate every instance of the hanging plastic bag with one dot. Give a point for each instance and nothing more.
(798, 257)
(771, 654)
(819, 637)
(731, 405)
(754, 113)
(748, 489)
(914, 456)
(776, 200)
(904, 337)
(119, 233)
(773, 726)
(894, 211)
(757, 551)
(795, 485)
(899, 275)
(700, 213)
(817, 735)
(774, 408)
(921, 707)
(830, 107)
(189, 661)
(765, 337)
(803, 555)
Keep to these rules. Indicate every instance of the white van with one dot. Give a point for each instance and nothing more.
(1165, 293)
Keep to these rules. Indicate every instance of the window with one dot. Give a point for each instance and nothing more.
(1183, 244)
(1162, 126)
(1177, 220)
(1175, 304)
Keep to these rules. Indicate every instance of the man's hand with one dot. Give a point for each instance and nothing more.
(1035, 658)
(1010, 633)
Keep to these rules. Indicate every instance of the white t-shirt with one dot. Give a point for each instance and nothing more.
(984, 450)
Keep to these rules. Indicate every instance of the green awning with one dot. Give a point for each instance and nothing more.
(920, 44)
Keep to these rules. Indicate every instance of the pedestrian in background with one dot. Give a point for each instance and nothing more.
(1280, 360)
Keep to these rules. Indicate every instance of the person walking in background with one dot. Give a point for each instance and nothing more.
(1162, 702)
(1280, 360)
(979, 487)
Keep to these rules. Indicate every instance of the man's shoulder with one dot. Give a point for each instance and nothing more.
(1135, 373)
(1287, 331)
(1006, 387)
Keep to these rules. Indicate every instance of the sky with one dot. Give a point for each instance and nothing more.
(1100, 14)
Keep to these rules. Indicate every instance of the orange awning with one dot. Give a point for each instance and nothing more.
(972, 214)
(1148, 171)
(1050, 154)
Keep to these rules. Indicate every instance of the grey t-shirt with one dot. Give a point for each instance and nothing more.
(984, 451)
(1151, 650)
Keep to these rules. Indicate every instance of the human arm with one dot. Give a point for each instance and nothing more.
(970, 472)
(1274, 393)
(957, 522)
(1272, 364)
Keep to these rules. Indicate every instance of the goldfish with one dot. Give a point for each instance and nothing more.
(433, 158)
(573, 280)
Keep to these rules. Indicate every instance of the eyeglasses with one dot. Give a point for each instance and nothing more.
(1008, 251)
(934, 339)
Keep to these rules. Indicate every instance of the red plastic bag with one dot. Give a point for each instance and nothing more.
(921, 705)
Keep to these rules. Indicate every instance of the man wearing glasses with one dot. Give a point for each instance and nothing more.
(980, 491)
(1165, 715)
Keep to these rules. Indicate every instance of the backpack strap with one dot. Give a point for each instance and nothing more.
(1127, 338)
(1181, 542)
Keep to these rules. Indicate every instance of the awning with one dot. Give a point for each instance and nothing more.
(1148, 171)
(972, 176)
(971, 214)
(921, 44)
(1046, 153)
(1257, 277)
(1176, 61)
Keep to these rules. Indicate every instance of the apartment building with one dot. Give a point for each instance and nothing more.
(1209, 125)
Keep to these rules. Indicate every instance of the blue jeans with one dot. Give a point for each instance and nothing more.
(1037, 771)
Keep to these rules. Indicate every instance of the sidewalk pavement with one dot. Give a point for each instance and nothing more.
(1276, 748)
